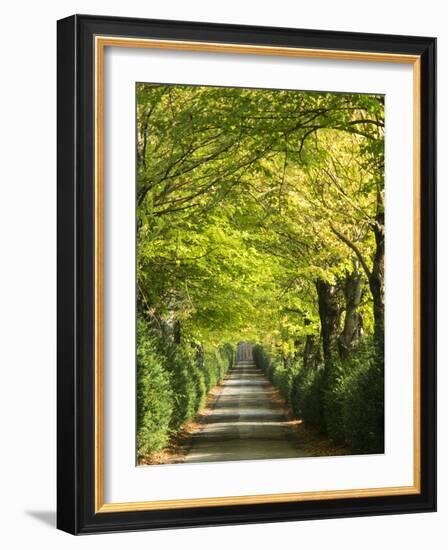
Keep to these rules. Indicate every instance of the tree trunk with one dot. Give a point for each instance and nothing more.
(376, 283)
(199, 354)
(376, 274)
(353, 320)
(177, 332)
(310, 349)
(329, 313)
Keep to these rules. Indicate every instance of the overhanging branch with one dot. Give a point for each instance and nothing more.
(353, 247)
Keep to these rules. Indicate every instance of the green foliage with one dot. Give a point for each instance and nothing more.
(282, 378)
(155, 399)
(280, 374)
(334, 392)
(245, 199)
(307, 398)
(364, 405)
(186, 386)
(262, 359)
(346, 403)
(234, 196)
(216, 364)
(171, 387)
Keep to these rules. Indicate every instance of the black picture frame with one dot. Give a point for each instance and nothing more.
(76, 512)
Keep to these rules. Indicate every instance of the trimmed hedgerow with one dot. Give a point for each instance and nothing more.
(344, 400)
(184, 385)
(306, 397)
(172, 386)
(216, 364)
(280, 374)
(155, 400)
(364, 404)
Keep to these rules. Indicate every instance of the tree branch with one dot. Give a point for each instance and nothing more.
(353, 247)
(367, 121)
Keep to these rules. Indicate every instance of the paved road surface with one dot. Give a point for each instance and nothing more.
(245, 422)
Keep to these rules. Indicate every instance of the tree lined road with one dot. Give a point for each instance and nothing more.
(260, 221)
(245, 422)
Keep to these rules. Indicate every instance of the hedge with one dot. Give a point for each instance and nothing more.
(344, 400)
(172, 386)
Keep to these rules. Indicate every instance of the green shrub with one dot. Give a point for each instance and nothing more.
(211, 372)
(261, 358)
(364, 408)
(155, 403)
(306, 397)
(184, 380)
(333, 397)
(282, 379)
(172, 385)
(280, 374)
(216, 364)
(344, 400)
(201, 388)
(191, 382)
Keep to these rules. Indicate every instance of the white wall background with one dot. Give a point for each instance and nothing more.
(27, 272)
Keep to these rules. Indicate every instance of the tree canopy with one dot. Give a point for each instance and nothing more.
(260, 217)
(246, 197)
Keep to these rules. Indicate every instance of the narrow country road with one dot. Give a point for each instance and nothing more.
(245, 421)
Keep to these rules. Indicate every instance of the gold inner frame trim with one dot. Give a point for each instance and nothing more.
(101, 42)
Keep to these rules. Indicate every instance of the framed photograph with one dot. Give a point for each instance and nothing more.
(246, 274)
